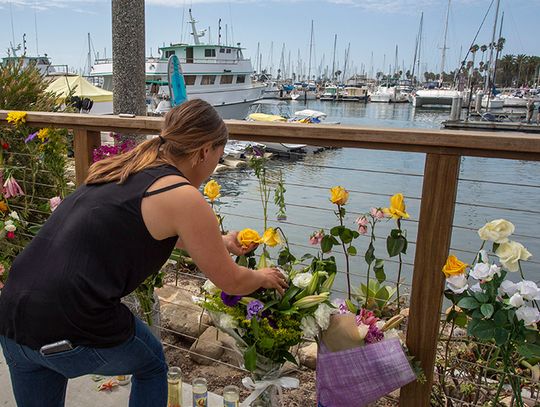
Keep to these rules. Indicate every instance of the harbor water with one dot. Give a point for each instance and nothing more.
(488, 189)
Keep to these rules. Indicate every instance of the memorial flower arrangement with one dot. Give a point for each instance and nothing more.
(492, 306)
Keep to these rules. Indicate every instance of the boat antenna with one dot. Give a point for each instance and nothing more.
(219, 32)
(196, 35)
(183, 20)
(416, 58)
(334, 57)
(371, 66)
(310, 51)
(35, 27)
(12, 28)
(444, 48)
(491, 46)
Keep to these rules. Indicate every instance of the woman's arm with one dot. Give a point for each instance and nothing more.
(185, 212)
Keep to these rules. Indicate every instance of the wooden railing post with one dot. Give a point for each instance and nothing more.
(84, 143)
(433, 243)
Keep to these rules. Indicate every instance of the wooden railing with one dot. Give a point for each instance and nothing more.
(443, 150)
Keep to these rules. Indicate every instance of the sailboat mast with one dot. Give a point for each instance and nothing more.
(396, 67)
(444, 48)
(12, 28)
(334, 58)
(89, 56)
(257, 59)
(498, 50)
(310, 51)
(371, 66)
(492, 45)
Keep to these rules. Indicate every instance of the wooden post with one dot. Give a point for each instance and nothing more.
(84, 143)
(433, 243)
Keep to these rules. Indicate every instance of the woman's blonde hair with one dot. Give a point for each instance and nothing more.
(186, 129)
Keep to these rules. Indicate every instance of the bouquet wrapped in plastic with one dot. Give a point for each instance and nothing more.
(360, 360)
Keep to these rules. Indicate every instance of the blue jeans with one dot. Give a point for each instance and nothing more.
(42, 380)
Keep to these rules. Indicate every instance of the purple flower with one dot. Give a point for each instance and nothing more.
(374, 335)
(31, 137)
(253, 308)
(230, 300)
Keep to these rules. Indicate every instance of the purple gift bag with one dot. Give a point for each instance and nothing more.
(358, 376)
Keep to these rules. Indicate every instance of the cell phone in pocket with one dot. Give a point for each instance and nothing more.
(56, 347)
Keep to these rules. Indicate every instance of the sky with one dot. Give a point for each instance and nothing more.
(370, 26)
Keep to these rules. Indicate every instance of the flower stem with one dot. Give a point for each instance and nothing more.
(346, 256)
(400, 266)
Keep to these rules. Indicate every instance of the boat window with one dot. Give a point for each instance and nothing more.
(169, 53)
(208, 79)
(226, 79)
(241, 79)
(210, 52)
(190, 79)
(228, 50)
(222, 50)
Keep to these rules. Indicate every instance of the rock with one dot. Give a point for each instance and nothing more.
(178, 311)
(230, 353)
(308, 356)
(207, 348)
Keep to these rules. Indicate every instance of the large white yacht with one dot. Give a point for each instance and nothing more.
(216, 73)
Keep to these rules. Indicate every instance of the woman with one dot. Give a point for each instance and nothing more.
(60, 311)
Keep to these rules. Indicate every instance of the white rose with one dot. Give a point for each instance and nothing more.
(227, 321)
(10, 227)
(210, 287)
(14, 215)
(529, 290)
(496, 231)
(510, 253)
(483, 271)
(516, 300)
(508, 287)
(322, 316)
(457, 283)
(475, 288)
(8, 222)
(363, 330)
(309, 327)
(302, 280)
(529, 315)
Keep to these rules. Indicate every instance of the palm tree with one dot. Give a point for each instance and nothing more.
(521, 60)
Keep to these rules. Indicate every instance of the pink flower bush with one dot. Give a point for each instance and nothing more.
(316, 237)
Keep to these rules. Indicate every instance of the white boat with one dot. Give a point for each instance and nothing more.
(354, 94)
(329, 94)
(436, 97)
(513, 101)
(494, 102)
(42, 63)
(388, 94)
(216, 73)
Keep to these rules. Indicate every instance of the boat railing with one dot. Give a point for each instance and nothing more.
(442, 151)
(183, 61)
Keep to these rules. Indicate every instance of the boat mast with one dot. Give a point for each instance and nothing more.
(396, 67)
(194, 32)
(257, 58)
(219, 36)
(417, 47)
(444, 48)
(491, 46)
(371, 66)
(310, 51)
(347, 51)
(89, 56)
(334, 58)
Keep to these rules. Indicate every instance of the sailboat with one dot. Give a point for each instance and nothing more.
(438, 97)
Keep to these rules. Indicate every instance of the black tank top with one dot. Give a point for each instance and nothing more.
(92, 251)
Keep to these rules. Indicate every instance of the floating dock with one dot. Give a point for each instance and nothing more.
(494, 126)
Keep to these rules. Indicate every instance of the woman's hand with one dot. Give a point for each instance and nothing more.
(234, 247)
(272, 278)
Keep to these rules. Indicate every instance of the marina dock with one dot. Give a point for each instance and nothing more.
(493, 126)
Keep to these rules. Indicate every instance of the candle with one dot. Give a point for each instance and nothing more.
(174, 387)
(200, 392)
(231, 396)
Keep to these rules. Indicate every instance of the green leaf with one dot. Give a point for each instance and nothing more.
(352, 308)
(501, 336)
(395, 245)
(266, 343)
(461, 320)
(380, 274)
(326, 244)
(336, 230)
(270, 304)
(481, 297)
(346, 236)
(484, 330)
(250, 358)
(369, 256)
(355, 234)
(289, 294)
(352, 250)
(529, 350)
(468, 303)
(290, 358)
(255, 327)
(242, 261)
(495, 247)
(487, 310)
(500, 318)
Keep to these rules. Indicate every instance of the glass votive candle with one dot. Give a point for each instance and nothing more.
(231, 396)
(174, 387)
(258, 403)
(199, 388)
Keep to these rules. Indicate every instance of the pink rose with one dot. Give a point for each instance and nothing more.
(10, 235)
(316, 237)
(12, 188)
(362, 221)
(377, 213)
(362, 230)
(54, 202)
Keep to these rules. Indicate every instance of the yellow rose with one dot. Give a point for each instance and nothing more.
(211, 190)
(496, 231)
(510, 253)
(453, 266)
(3, 206)
(271, 237)
(247, 237)
(397, 207)
(339, 195)
(16, 118)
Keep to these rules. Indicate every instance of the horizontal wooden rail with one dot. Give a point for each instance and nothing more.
(517, 146)
(443, 149)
